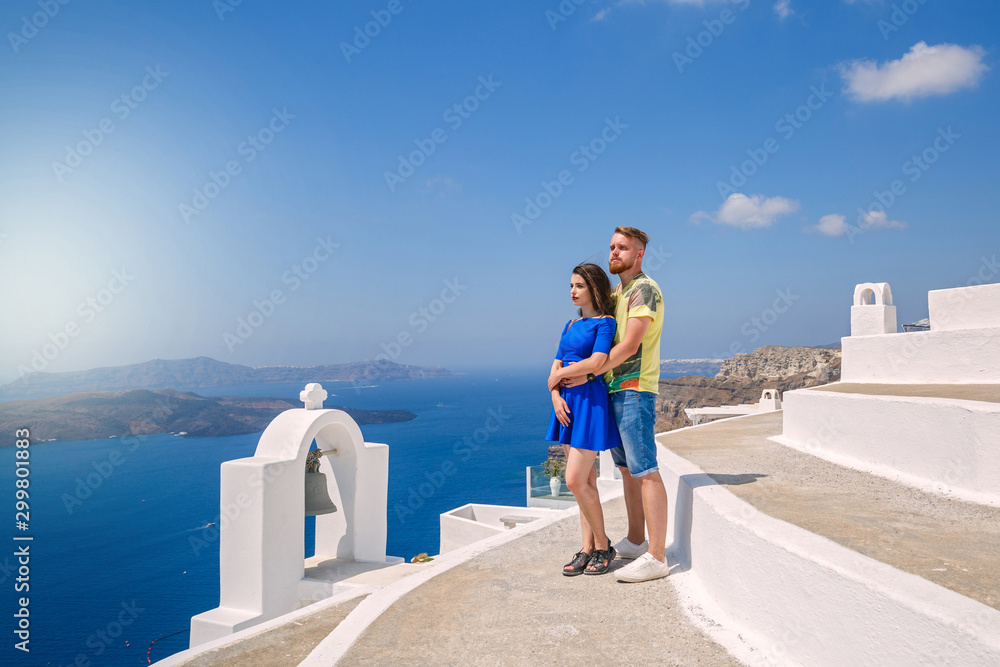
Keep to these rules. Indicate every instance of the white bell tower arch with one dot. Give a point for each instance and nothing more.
(262, 527)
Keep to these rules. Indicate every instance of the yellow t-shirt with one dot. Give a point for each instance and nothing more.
(640, 298)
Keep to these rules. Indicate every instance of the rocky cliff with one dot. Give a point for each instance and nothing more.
(775, 363)
(742, 378)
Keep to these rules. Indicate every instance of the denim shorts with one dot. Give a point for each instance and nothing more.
(635, 414)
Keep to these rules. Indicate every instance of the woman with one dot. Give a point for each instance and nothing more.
(582, 419)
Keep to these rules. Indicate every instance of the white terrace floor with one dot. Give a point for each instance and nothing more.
(953, 543)
(511, 605)
(508, 606)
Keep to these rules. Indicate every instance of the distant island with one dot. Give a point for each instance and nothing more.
(205, 372)
(103, 414)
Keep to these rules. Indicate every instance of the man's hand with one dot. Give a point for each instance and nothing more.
(562, 410)
(575, 381)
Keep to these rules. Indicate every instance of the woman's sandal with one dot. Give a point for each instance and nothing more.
(600, 560)
(578, 564)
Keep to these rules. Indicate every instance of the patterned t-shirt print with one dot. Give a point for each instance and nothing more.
(641, 299)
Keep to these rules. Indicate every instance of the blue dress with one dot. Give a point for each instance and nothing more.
(592, 422)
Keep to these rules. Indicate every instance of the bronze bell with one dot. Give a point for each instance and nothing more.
(317, 497)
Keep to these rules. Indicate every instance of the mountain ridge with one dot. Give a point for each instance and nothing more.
(203, 372)
(139, 412)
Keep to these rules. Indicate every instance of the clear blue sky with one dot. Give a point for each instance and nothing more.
(114, 114)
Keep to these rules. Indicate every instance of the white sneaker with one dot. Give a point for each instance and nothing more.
(643, 568)
(628, 551)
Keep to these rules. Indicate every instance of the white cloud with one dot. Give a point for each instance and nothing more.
(831, 225)
(835, 226)
(783, 8)
(749, 212)
(921, 72)
(601, 15)
(880, 220)
(442, 185)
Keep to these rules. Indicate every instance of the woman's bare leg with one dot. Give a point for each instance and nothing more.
(588, 536)
(581, 478)
(585, 531)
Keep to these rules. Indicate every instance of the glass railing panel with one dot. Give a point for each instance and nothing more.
(542, 486)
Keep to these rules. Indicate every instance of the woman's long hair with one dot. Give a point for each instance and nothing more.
(599, 286)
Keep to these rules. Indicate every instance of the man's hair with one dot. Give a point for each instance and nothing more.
(633, 233)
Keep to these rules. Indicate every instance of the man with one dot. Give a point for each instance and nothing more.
(632, 373)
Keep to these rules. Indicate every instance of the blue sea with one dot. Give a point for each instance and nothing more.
(122, 555)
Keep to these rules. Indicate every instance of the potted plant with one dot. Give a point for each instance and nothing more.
(555, 469)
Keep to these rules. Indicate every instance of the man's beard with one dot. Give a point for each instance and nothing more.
(622, 267)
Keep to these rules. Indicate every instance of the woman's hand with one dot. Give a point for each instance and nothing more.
(557, 375)
(562, 410)
(554, 381)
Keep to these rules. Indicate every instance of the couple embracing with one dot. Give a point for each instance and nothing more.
(604, 384)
